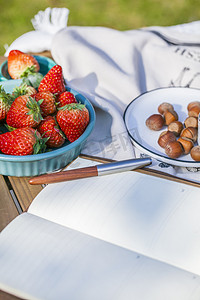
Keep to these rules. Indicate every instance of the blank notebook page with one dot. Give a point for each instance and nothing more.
(42, 260)
(146, 214)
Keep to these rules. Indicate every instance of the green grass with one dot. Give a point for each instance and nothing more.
(16, 15)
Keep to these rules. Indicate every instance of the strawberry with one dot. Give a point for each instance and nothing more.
(24, 89)
(73, 119)
(48, 105)
(48, 128)
(22, 141)
(65, 98)
(24, 112)
(5, 103)
(53, 81)
(20, 64)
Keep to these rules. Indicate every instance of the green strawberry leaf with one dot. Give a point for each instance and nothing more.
(40, 145)
(10, 128)
(71, 106)
(20, 90)
(29, 70)
(34, 109)
(6, 97)
(33, 79)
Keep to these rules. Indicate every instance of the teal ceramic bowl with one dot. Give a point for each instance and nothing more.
(45, 65)
(32, 165)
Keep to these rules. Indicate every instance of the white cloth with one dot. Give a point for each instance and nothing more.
(46, 23)
(112, 67)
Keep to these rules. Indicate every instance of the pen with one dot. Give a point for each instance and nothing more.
(92, 171)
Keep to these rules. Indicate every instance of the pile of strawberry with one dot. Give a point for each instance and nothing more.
(42, 117)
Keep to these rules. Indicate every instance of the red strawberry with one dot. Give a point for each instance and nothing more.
(24, 112)
(65, 98)
(21, 141)
(48, 128)
(20, 64)
(53, 81)
(5, 103)
(73, 120)
(48, 105)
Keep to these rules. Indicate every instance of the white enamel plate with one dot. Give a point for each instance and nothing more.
(147, 104)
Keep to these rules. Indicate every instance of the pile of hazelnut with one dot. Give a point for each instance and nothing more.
(178, 138)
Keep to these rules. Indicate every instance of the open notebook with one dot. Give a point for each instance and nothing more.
(122, 236)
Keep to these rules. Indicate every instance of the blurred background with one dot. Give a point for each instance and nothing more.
(16, 15)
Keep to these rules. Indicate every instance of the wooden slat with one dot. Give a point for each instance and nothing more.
(7, 207)
(24, 191)
(5, 296)
(45, 53)
(2, 59)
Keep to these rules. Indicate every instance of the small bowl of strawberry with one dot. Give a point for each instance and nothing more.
(42, 129)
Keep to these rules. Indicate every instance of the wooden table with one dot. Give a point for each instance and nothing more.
(15, 197)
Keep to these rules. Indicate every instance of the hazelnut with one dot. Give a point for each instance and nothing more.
(174, 149)
(195, 153)
(176, 127)
(166, 137)
(164, 107)
(192, 104)
(191, 122)
(170, 116)
(190, 133)
(155, 122)
(186, 143)
(194, 111)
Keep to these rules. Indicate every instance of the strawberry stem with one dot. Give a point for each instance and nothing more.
(28, 71)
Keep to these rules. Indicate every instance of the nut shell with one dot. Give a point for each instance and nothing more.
(190, 133)
(186, 143)
(191, 122)
(155, 122)
(176, 127)
(194, 111)
(170, 116)
(195, 153)
(174, 149)
(192, 104)
(166, 137)
(163, 107)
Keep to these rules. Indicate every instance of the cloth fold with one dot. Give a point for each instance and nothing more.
(183, 34)
(112, 67)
